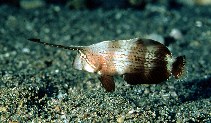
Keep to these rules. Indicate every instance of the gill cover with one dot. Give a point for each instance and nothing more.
(82, 63)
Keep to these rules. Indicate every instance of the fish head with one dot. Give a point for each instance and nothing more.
(81, 62)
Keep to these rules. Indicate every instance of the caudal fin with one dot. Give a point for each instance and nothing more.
(178, 66)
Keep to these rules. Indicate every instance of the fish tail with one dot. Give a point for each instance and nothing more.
(178, 66)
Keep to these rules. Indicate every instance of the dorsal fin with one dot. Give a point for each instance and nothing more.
(57, 46)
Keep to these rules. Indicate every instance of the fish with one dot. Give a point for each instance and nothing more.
(137, 61)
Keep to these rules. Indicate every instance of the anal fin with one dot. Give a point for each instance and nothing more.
(108, 82)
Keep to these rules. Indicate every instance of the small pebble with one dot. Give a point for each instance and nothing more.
(56, 8)
(198, 24)
(56, 71)
(31, 4)
(176, 34)
(131, 111)
(203, 2)
(25, 50)
(120, 119)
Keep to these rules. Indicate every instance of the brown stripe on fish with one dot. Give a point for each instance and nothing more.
(153, 69)
(136, 55)
(158, 72)
(135, 73)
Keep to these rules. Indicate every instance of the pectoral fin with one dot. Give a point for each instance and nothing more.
(108, 82)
